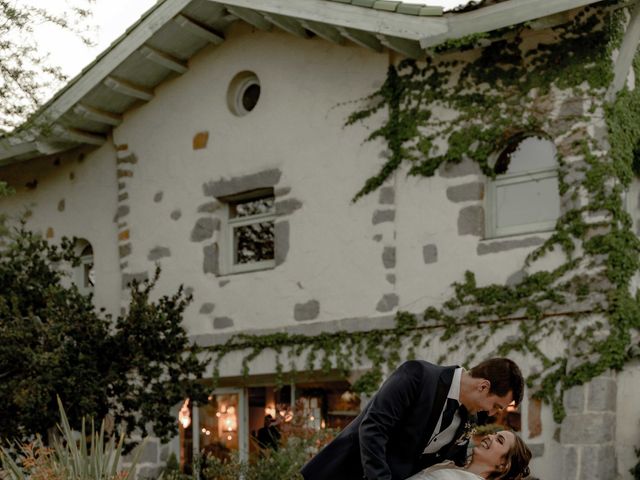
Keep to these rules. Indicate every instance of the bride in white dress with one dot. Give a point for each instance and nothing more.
(499, 456)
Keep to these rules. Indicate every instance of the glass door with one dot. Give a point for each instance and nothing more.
(222, 425)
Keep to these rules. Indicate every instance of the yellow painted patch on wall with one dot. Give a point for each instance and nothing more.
(200, 140)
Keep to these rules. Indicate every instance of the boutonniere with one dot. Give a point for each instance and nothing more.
(467, 431)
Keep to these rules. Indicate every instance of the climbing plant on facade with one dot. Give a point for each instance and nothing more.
(468, 101)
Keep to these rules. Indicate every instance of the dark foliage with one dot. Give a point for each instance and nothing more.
(54, 342)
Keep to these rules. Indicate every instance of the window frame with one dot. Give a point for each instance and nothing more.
(236, 90)
(491, 216)
(82, 275)
(229, 224)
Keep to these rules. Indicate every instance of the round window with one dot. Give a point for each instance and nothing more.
(244, 93)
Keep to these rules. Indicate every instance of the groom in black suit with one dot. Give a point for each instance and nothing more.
(416, 420)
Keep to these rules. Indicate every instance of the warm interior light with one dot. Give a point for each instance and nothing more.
(227, 419)
(348, 396)
(184, 415)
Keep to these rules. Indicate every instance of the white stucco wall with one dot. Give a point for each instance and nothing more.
(295, 128)
(87, 185)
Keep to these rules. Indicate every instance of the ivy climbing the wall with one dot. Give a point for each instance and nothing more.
(468, 101)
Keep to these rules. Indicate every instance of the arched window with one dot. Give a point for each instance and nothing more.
(84, 274)
(524, 197)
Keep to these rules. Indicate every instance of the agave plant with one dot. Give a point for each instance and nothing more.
(67, 459)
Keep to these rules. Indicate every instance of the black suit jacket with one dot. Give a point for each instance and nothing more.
(386, 441)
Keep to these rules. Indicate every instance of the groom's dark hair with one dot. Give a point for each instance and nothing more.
(505, 376)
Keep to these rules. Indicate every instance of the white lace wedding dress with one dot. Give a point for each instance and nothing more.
(444, 471)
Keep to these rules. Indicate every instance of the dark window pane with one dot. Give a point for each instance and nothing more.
(250, 96)
(254, 242)
(252, 207)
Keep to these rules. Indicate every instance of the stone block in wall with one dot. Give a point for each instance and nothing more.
(148, 473)
(466, 192)
(210, 263)
(164, 453)
(598, 463)
(465, 167)
(383, 216)
(209, 207)
(387, 196)
(430, 253)
(471, 221)
(601, 394)
(222, 322)
(157, 253)
(149, 452)
(588, 429)
(389, 257)
(225, 187)
(388, 302)
(207, 308)
(282, 242)
(306, 311)
(574, 399)
(570, 463)
(288, 206)
(124, 250)
(204, 228)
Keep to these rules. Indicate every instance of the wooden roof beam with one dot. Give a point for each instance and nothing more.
(198, 29)
(323, 30)
(408, 48)
(251, 17)
(79, 136)
(96, 115)
(128, 89)
(363, 39)
(287, 24)
(163, 59)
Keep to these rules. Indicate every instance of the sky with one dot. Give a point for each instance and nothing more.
(111, 18)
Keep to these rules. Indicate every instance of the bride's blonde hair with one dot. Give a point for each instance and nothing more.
(516, 466)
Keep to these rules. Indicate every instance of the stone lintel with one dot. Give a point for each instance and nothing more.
(235, 185)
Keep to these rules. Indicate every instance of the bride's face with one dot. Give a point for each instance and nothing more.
(493, 448)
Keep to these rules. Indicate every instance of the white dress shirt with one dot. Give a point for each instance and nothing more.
(440, 439)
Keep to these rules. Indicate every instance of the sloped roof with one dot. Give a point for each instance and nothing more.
(417, 9)
(158, 46)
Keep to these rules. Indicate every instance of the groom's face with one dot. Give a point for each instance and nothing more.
(484, 401)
